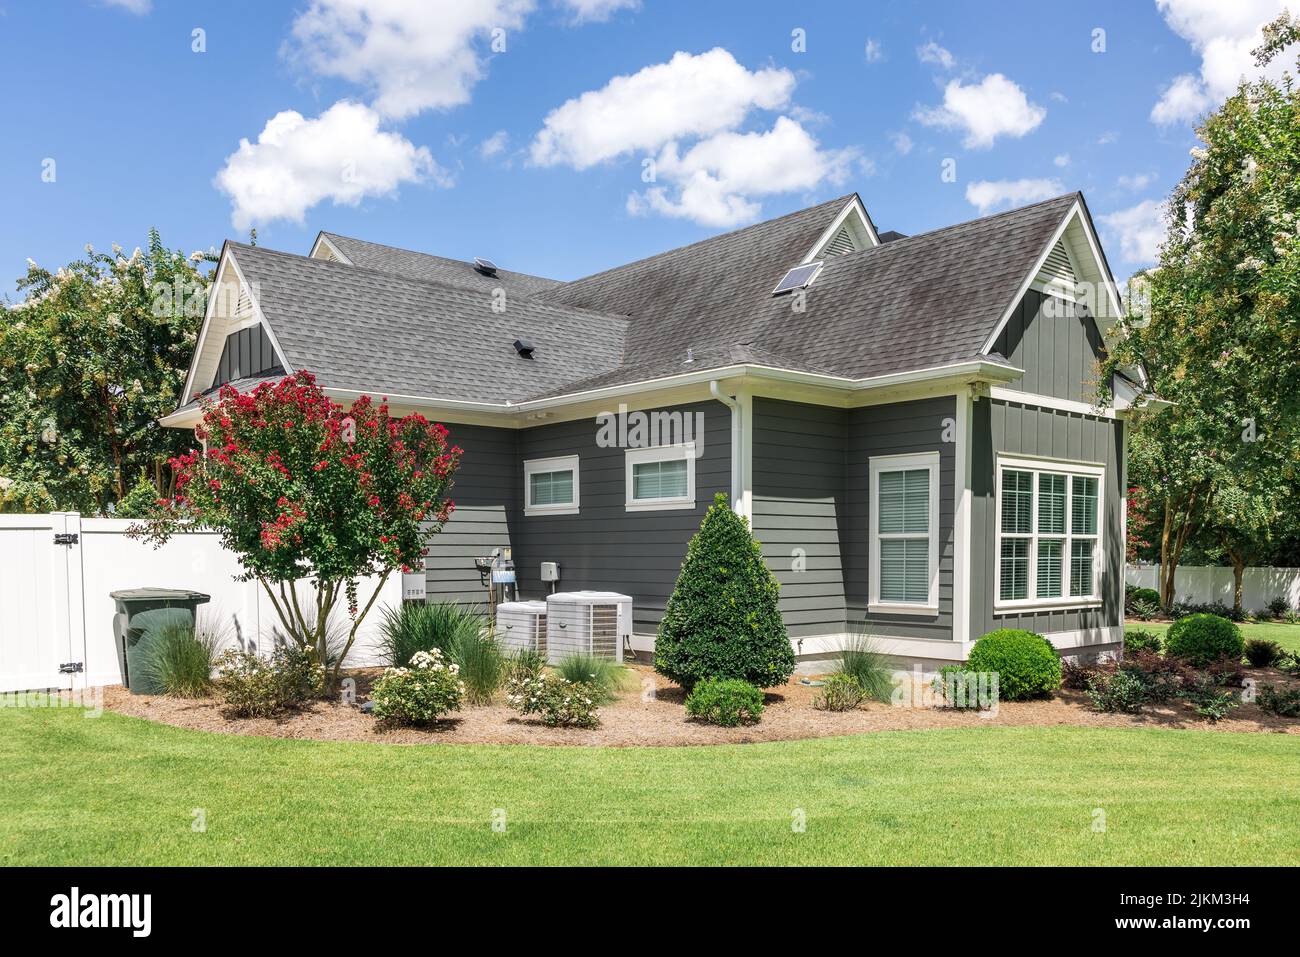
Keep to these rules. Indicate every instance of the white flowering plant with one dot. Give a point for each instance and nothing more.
(420, 694)
(557, 701)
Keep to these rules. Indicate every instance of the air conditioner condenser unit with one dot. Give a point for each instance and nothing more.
(521, 625)
(595, 623)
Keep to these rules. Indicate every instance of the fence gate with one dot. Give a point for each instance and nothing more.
(42, 620)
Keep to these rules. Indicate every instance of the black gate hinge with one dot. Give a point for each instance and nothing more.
(72, 668)
(66, 538)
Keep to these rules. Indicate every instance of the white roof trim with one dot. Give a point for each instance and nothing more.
(859, 222)
(323, 240)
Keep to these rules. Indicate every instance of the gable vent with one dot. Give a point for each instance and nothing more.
(244, 304)
(840, 243)
(1057, 270)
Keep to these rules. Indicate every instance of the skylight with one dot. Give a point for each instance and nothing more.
(486, 266)
(798, 277)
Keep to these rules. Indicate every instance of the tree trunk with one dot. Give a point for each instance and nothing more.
(1238, 572)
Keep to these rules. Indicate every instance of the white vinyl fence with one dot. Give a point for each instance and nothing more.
(56, 613)
(1206, 583)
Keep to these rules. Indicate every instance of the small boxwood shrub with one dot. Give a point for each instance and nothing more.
(1262, 653)
(722, 619)
(1027, 665)
(556, 700)
(1284, 703)
(1279, 606)
(725, 701)
(1139, 639)
(842, 692)
(1201, 638)
(1140, 601)
(255, 687)
(1117, 691)
(421, 694)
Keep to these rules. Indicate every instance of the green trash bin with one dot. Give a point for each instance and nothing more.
(139, 612)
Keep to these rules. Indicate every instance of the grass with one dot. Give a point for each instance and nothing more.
(863, 660)
(179, 656)
(1285, 634)
(606, 675)
(115, 790)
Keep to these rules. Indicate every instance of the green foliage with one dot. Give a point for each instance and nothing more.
(1279, 606)
(841, 692)
(422, 626)
(1284, 703)
(1209, 700)
(966, 689)
(722, 619)
(872, 669)
(524, 664)
(1133, 593)
(604, 675)
(140, 502)
(420, 694)
(179, 657)
(90, 359)
(257, 687)
(728, 702)
(1139, 639)
(1202, 638)
(1262, 653)
(557, 701)
(482, 666)
(22, 497)
(1026, 664)
(1117, 691)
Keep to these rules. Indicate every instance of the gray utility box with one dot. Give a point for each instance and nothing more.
(139, 612)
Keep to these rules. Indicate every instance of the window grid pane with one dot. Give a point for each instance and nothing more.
(665, 479)
(1081, 552)
(1050, 552)
(1051, 504)
(1017, 502)
(1084, 508)
(905, 570)
(903, 500)
(1015, 569)
(552, 488)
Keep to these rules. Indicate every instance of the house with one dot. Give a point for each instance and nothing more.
(909, 422)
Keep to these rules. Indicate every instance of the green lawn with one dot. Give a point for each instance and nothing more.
(118, 790)
(1286, 635)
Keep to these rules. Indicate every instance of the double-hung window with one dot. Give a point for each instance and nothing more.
(1048, 533)
(551, 486)
(661, 477)
(904, 574)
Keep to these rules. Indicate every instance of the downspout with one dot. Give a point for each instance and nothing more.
(737, 505)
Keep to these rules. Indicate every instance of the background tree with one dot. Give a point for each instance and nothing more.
(301, 488)
(1219, 327)
(90, 359)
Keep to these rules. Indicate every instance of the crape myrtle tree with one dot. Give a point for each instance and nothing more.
(302, 488)
(1219, 331)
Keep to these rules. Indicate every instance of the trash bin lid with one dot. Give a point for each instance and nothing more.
(159, 594)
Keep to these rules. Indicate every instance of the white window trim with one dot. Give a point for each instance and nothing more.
(660, 453)
(559, 463)
(1068, 468)
(897, 463)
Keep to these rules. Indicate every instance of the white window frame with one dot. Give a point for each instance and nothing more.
(1069, 469)
(902, 463)
(559, 463)
(660, 453)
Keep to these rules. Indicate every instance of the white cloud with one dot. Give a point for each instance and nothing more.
(595, 11)
(987, 195)
(413, 56)
(1140, 230)
(690, 95)
(1136, 182)
(933, 53)
(1222, 34)
(1107, 137)
(1059, 97)
(138, 7)
(873, 51)
(341, 155)
(713, 181)
(494, 144)
(1063, 160)
(984, 111)
(902, 142)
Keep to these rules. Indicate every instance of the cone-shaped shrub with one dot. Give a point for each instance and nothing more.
(722, 619)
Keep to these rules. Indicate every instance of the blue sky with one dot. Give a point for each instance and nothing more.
(409, 124)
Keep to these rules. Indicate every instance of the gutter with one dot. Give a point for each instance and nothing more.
(737, 505)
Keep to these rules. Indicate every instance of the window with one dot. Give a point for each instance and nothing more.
(1048, 551)
(905, 534)
(551, 486)
(662, 477)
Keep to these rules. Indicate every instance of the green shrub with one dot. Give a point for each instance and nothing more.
(605, 675)
(873, 670)
(420, 626)
(556, 700)
(1279, 606)
(1262, 653)
(1026, 664)
(1076, 675)
(1209, 700)
(1284, 703)
(179, 658)
(1139, 639)
(841, 692)
(420, 694)
(1201, 638)
(1163, 678)
(1117, 691)
(524, 664)
(1147, 596)
(725, 701)
(482, 666)
(964, 689)
(257, 687)
(722, 619)
(1143, 610)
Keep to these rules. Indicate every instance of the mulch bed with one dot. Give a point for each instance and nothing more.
(654, 716)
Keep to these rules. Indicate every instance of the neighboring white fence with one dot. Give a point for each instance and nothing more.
(1206, 583)
(55, 608)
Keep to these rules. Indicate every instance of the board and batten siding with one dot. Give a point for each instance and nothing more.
(894, 429)
(1017, 429)
(1059, 352)
(605, 547)
(798, 496)
(486, 497)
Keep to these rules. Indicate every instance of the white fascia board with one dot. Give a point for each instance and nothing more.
(1031, 277)
(852, 208)
(186, 391)
(323, 240)
(257, 312)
